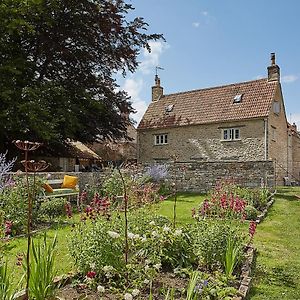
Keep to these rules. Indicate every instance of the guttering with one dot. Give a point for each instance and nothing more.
(266, 139)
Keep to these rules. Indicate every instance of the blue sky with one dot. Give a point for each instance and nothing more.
(215, 42)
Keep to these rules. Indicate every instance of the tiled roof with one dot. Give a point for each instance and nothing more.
(211, 105)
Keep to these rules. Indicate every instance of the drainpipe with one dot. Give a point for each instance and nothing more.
(266, 138)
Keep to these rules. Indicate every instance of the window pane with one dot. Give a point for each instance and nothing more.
(166, 139)
(231, 134)
(161, 139)
(237, 134)
(225, 134)
(157, 139)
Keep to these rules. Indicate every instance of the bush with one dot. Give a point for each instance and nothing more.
(210, 239)
(99, 247)
(251, 212)
(53, 208)
(14, 199)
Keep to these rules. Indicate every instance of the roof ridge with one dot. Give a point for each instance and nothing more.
(216, 87)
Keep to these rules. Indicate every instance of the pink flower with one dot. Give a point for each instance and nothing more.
(7, 227)
(252, 229)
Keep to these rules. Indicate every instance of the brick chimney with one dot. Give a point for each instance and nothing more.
(273, 70)
(157, 90)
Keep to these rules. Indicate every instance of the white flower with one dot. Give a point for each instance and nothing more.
(135, 292)
(136, 236)
(178, 232)
(155, 234)
(147, 261)
(157, 266)
(166, 228)
(128, 296)
(147, 268)
(146, 281)
(92, 266)
(113, 234)
(108, 268)
(152, 223)
(143, 239)
(130, 235)
(100, 289)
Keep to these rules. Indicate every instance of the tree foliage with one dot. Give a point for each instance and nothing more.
(58, 59)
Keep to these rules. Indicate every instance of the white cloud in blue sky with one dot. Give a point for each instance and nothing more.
(289, 78)
(150, 60)
(134, 85)
(196, 24)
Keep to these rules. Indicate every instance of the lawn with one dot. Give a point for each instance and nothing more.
(185, 203)
(277, 274)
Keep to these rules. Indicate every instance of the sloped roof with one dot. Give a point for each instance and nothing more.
(211, 105)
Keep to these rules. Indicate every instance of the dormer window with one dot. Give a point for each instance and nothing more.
(169, 108)
(238, 98)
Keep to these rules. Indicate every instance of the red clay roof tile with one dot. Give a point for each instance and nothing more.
(211, 105)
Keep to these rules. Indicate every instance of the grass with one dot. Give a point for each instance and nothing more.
(185, 203)
(278, 242)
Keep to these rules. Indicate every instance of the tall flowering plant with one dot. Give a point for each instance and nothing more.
(222, 205)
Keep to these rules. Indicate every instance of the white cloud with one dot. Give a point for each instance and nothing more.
(289, 78)
(196, 24)
(204, 13)
(133, 87)
(151, 60)
(258, 77)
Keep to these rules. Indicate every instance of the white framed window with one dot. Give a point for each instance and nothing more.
(230, 134)
(161, 139)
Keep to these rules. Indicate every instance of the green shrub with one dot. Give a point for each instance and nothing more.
(53, 208)
(14, 199)
(210, 239)
(153, 244)
(251, 212)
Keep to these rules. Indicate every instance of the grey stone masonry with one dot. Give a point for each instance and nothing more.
(202, 176)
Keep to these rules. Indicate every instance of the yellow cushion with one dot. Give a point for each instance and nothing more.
(48, 188)
(70, 182)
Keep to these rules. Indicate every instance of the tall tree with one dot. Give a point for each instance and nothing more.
(57, 64)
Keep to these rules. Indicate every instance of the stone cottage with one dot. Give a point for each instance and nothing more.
(237, 122)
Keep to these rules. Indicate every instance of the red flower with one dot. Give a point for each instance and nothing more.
(91, 274)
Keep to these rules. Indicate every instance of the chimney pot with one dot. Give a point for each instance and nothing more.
(273, 70)
(157, 90)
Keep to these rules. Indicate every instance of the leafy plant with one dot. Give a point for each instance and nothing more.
(6, 290)
(157, 172)
(210, 241)
(53, 208)
(13, 201)
(5, 167)
(232, 255)
(251, 212)
(42, 268)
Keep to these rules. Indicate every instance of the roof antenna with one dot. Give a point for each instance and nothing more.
(156, 70)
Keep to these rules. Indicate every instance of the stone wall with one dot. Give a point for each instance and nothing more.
(204, 143)
(202, 176)
(192, 176)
